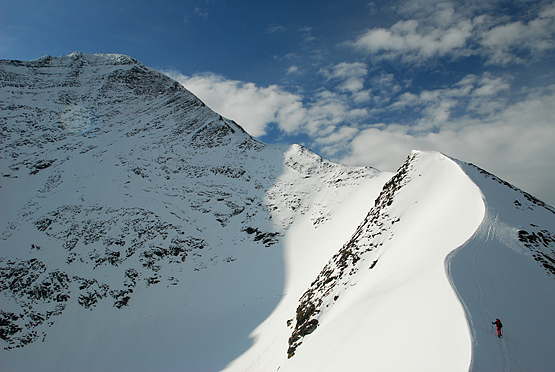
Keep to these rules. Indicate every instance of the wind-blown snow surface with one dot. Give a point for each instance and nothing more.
(496, 274)
(441, 233)
(141, 231)
(399, 313)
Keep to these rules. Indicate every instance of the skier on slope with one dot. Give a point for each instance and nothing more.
(499, 325)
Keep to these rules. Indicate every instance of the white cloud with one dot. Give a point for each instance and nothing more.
(473, 95)
(437, 30)
(350, 78)
(336, 141)
(328, 110)
(346, 70)
(503, 43)
(254, 107)
(293, 70)
(307, 36)
(201, 12)
(515, 142)
(343, 134)
(384, 87)
(275, 29)
(412, 42)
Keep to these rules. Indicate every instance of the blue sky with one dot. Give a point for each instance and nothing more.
(358, 82)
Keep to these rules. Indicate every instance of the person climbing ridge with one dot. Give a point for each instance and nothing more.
(499, 325)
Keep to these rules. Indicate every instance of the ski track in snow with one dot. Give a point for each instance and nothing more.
(496, 276)
(491, 234)
(476, 288)
(491, 220)
(486, 232)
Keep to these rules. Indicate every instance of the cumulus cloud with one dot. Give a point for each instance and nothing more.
(255, 108)
(349, 78)
(293, 70)
(482, 118)
(514, 140)
(328, 110)
(477, 96)
(383, 87)
(440, 30)
(350, 75)
(337, 141)
(251, 106)
(504, 43)
(415, 42)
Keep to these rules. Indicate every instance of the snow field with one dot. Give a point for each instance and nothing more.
(402, 315)
(252, 229)
(496, 277)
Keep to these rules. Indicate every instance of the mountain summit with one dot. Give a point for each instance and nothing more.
(142, 231)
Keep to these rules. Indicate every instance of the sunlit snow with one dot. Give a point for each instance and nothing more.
(164, 237)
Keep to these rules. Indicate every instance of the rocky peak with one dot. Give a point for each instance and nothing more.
(117, 181)
(107, 92)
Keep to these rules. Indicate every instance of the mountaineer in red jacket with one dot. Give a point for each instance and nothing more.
(499, 325)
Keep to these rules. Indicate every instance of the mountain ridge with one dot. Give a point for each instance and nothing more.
(141, 230)
(144, 191)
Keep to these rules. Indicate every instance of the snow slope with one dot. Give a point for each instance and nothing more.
(142, 231)
(420, 281)
(506, 270)
(139, 229)
(399, 313)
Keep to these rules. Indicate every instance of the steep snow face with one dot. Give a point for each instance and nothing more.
(139, 229)
(336, 202)
(507, 271)
(142, 231)
(384, 301)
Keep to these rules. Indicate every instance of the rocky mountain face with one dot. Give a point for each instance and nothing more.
(142, 231)
(117, 181)
(83, 134)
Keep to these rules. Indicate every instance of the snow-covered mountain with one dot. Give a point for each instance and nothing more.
(142, 231)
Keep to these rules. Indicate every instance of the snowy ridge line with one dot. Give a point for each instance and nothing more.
(149, 203)
(128, 203)
(493, 177)
(540, 241)
(506, 270)
(370, 235)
